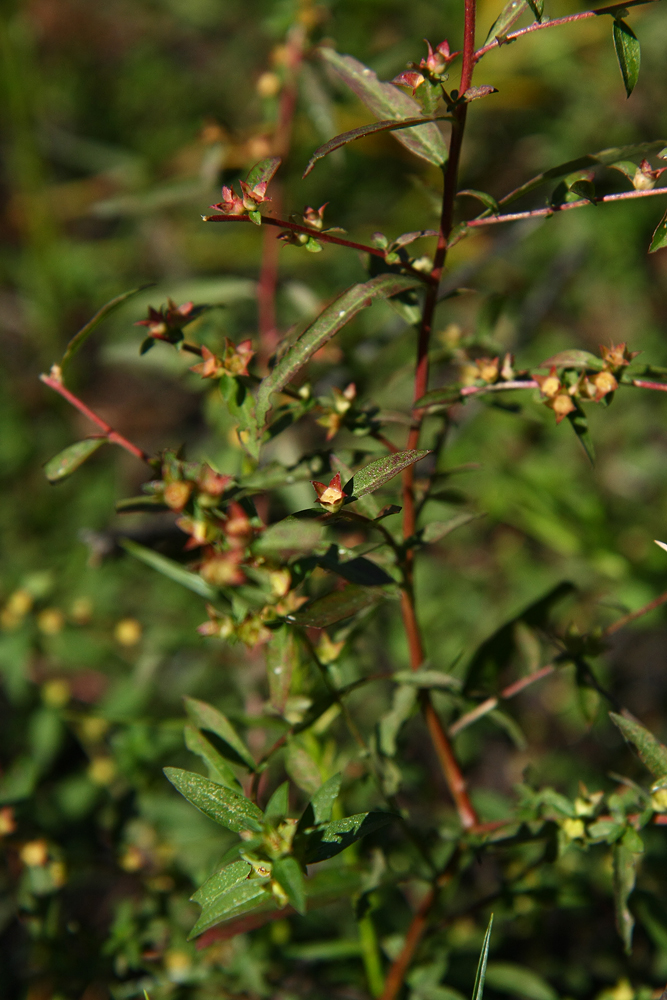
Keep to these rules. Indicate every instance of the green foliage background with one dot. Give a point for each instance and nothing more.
(110, 158)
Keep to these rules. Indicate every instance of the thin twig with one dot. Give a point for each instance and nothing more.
(641, 384)
(399, 968)
(491, 703)
(634, 615)
(555, 23)
(546, 213)
(112, 436)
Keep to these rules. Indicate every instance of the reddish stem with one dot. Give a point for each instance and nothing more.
(641, 384)
(626, 619)
(111, 435)
(399, 968)
(545, 213)
(540, 25)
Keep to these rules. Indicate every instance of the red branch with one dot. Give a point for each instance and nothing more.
(545, 213)
(111, 435)
(540, 25)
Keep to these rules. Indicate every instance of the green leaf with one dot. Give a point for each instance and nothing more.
(302, 769)
(169, 568)
(327, 841)
(220, 883)
(486, 199)
(659, 236)
(389, 125)
(79, 339)
(537, 7)
(627, 52)
(219, 770)
(651, 752)
(510, 13)
(445, 396)
(321, 804)
(604, 158)
(573, 359)
(294, 535)
(387, 101)
(359, 570)
(243, 898)
(219, 803)
(367, 505)
(427, 679)
(281, 658)
(336, 606)
(207, 717)
(437, 530)
(579, 423)
(329, 322)
(263, 171)
(505, 977)
(478, 989)
(288, 873)
(68, 461)
(278, 805)
(403, 702)
(381, 471)
(625, 863)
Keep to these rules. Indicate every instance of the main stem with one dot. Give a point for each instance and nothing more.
(448, 762)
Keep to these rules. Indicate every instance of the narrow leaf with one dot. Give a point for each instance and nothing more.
(336, 606)
(219, 770)
(403, 703)
(217, 802)
(221, 883)
(387, 125)
(474, 93)
(207, 717)
(287, 872)
(169, 568)
(322, 801)
(68, 461)
(486, 199)
(478, 990)
(263, 171)
(606, 157)
(537, 7)
(659, 236)
(293, 535)
(579, 423)
(627, 52)
(278, 805)
(329, 840)
(243, 898)
(445, 396)
(381, 471)
(368, 505)
(302, 769)
(427, 679)
(79, 339)
(651, 752)
(437, 530)
(625, 862)
(505, 977)
(328, 323)
(387, 101)
(281, 658)
(510, 13)
(573, 359)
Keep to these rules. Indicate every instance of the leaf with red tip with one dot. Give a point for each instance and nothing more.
(263, 171)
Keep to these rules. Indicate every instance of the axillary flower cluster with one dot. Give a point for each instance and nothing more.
(560, 392)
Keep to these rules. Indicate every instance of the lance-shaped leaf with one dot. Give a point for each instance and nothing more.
(606, 157)
(278, 805)
(579, 423)
(403, 702)
(207, 717)
(321, 804)
(506, 977)
(510, 13)
(220, 883)
(218, 769)
(659, 236)
(573, 359)
(263, 171)
(294, 535)
(79, 339)
(651, 752)
(326, 841)
(217, 802)
(302, 769)
(68, 461)
(287, 872)
(627, 52)
(427, 679)
(437, 530)
(387, 101)
(169, 568)
(328, 323)
(387, 125)
(281, 657)
(626, 853)
(381, 471)
(480, 978)
(446, 396)
(336, 606)
(245, 897)
(486, 199)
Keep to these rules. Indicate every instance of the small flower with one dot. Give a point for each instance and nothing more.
(331, 497)
(617, 355)
(231, 204)
(218, 626)
(561, 404)
(177, 494)
(237, 527)
(488, 369)
(409, 79)
(314, 217)
(167, 322)
(507, 371)
(549, 384)
(343, 400)
(212, 483)
(437, 62)
(604, 383)
(223, 569)
(234, 361)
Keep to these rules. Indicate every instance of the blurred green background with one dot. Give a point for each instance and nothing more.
(119, 122)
